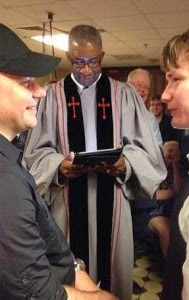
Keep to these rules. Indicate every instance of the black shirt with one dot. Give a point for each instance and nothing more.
(169, 133)
(35, 260)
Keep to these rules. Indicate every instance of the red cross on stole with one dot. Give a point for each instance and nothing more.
(103, 105)
(73, 104)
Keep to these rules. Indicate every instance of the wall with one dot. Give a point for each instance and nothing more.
(158, 76)
(60, 73)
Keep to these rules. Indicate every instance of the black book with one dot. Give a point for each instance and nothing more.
(109, 156)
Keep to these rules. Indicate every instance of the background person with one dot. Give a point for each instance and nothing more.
(168, 133)
(168, 189)
(145, 240)
(141, 79)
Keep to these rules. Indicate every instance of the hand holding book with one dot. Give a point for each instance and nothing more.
(105, 156)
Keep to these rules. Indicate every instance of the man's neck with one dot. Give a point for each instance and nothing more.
(7, 134)
(81, 87)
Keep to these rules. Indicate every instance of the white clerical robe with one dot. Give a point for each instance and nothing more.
(44, 152)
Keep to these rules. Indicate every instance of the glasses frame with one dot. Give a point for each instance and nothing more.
(81, 64)
(141, 86)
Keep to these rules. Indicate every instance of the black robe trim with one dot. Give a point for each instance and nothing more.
(78, 192)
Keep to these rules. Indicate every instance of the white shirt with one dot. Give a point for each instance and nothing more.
(183, 220)
(88, 104)
(155, 126)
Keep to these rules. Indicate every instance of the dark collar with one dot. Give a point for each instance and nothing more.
(9, 150)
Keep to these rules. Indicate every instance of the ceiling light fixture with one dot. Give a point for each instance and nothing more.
(59, 41)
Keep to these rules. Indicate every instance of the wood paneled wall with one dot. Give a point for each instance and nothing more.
(158, 76)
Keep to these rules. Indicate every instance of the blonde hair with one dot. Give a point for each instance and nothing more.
(176, 47)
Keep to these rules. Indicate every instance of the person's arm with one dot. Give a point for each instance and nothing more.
(177, 174)
(164, 194)
(119, 168)
(86, 289)
(142, 150)
(75, 294)
(171, 151)
(68, 170)
(25, 268)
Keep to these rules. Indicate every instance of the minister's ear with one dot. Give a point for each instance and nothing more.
(102, 56)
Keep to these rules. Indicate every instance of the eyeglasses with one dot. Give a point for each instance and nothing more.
(141, 87)
(92, 63)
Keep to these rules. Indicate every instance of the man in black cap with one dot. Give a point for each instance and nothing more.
(36, 262)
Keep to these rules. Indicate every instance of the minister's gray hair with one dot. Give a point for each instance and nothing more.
(83, 34)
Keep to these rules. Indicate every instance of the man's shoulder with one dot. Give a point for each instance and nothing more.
(52, 86)
(6, 165)
(13, 173)
(115, 80)
(118, 84)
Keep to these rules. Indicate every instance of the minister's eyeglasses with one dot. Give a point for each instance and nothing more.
(80, 63)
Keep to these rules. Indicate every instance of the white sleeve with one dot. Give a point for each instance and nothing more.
(184, 228)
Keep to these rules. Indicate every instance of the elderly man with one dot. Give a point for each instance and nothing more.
(141, 79)
(87, 111)
(35, 260)
(175, 61)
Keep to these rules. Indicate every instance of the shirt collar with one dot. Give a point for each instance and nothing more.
(9, 150)
(81, 87)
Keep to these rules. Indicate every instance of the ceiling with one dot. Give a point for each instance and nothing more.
(133, 31)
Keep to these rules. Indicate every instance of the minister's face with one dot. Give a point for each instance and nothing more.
(86, 62)
(176, 94)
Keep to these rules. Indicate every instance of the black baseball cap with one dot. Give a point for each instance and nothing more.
(17, 59)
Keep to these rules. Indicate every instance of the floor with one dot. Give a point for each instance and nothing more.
(147, 279)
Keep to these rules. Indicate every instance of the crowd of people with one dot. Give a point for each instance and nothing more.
(61, 221)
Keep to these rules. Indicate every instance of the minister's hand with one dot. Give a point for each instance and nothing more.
(117, 169)
(69, 170)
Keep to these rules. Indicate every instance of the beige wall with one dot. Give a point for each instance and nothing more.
(60, 73)
(158, 76)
